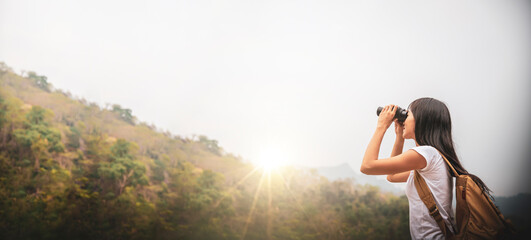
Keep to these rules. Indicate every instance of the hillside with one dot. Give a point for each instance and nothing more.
(70, 169)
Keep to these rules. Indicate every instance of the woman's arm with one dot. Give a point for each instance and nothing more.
(407, 161)
(399, 141)
(397, 149)
(397, 164)
(398, 177)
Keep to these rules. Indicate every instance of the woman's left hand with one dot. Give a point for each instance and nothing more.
(386, 116)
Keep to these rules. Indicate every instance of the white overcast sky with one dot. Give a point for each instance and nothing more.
(297, 79)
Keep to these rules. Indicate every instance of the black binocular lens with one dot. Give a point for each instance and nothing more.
(401, 114)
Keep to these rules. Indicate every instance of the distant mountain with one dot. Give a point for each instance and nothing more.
(344, 170)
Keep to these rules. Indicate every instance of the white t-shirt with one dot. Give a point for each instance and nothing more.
(439, 180)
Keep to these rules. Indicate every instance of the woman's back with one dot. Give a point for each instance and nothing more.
(439, 180)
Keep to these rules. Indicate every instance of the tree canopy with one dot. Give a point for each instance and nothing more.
(70, 170)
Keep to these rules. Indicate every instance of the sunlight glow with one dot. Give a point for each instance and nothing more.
(270, 163)
(272, 159)
(253, 205)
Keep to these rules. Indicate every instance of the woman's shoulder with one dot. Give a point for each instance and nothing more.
(429, 153)
(426, 149)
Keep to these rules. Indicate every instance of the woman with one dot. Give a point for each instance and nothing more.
(428, 123)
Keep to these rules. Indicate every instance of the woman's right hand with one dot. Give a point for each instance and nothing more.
(399, 129)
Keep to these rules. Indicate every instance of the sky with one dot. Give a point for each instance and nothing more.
(299, 81)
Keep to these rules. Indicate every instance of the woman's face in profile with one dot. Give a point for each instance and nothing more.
(409, 126)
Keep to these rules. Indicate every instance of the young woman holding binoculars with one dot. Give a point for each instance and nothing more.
(428, 123)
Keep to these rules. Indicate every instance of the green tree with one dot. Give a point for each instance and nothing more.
(40, 81)
(125, 114)
(73, 137)
(38, 137)
(122, 168)
(210, 144)
(37, 115)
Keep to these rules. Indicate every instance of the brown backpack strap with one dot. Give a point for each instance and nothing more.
(426, 197)
(449, 165)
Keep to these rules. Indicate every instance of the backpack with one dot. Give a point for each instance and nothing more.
(476, 215)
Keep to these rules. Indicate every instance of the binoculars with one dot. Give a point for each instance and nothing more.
(400, 115)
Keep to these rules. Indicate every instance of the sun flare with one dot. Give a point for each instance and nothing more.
(272, 159)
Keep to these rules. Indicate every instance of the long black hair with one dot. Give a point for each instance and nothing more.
(433, 127)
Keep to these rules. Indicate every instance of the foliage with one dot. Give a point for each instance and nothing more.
(40, 81)
(122, 168)
(124, 113)
(73, 138)
(37, 133)
(2, 112)
(210, 144)
(97, 175)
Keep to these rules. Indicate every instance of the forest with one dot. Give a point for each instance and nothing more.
(71, 169)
